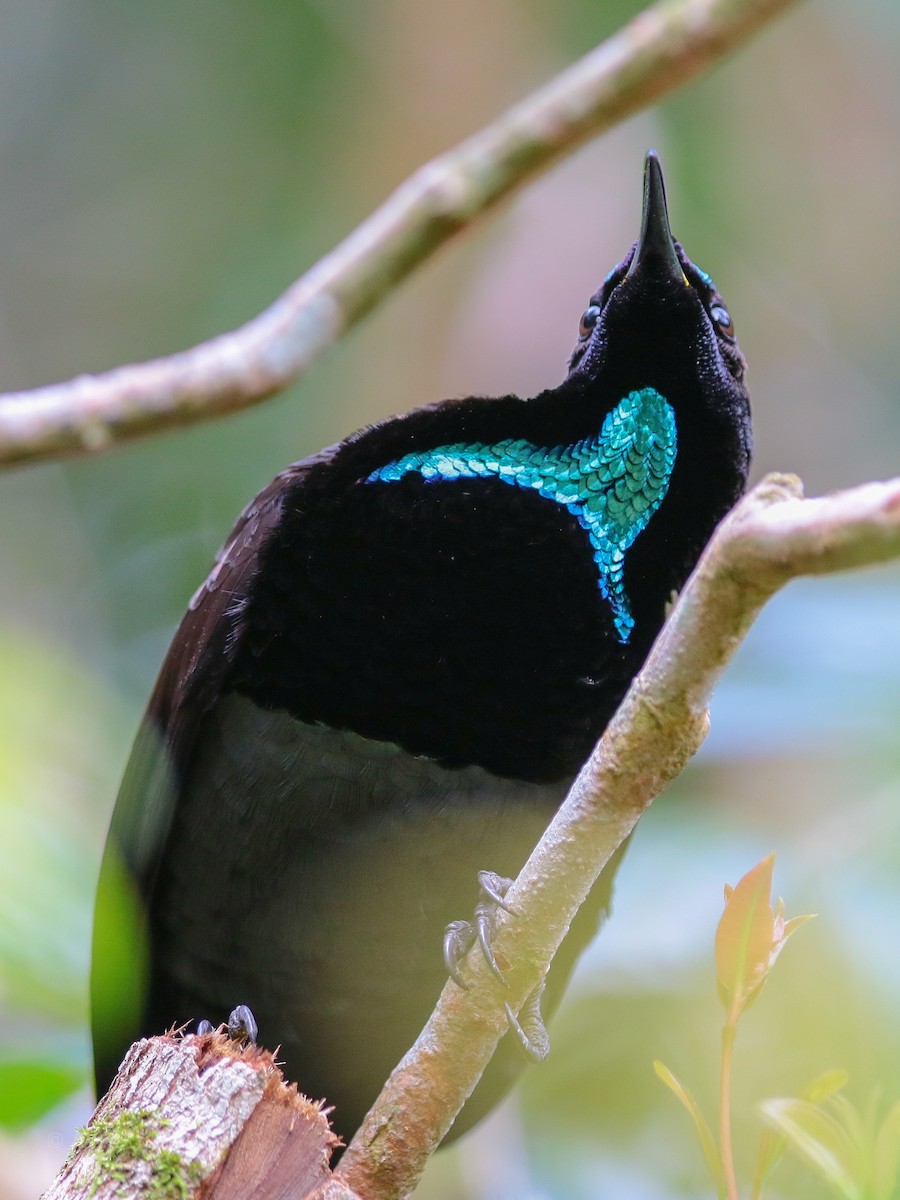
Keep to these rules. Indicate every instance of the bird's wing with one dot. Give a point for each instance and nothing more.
(193, 676)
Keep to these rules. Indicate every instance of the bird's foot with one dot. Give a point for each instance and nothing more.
(240, 1027)
(460, 937)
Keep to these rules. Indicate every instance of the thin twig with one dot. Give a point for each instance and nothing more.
(771, 537)
(663, 47)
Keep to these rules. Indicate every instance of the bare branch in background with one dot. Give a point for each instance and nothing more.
(663, 47)
(773, 535)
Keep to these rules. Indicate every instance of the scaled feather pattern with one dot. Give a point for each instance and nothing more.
(611, 483)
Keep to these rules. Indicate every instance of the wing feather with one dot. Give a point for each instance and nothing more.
(194, 675)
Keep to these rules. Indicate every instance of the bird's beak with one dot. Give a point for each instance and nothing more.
(655, 251)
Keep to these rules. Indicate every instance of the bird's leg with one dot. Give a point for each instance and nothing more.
(460, 937)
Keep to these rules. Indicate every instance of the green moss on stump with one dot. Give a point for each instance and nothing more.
(121, 1144)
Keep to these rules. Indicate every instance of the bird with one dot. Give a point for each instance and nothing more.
(404, 652)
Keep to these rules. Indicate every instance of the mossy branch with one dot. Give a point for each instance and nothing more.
(773, 535)
(666, 45)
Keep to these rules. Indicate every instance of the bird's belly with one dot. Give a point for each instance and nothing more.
(320, 892)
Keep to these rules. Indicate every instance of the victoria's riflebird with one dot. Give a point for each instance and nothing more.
(406, 649)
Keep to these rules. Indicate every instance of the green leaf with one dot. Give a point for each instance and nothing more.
(825, 1085)
(819, 1139)
(704, 1136)
(30, 1089)
(772, 1145)
(859, 1128)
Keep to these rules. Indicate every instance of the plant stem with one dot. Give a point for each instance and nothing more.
(756, 1192)
(729, 1033)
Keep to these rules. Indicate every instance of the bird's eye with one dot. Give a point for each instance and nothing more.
(588, 320)
(722, 317)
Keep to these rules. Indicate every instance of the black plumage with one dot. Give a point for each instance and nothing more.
(387, 684)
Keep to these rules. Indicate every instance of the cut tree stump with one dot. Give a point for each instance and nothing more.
(201, 1116)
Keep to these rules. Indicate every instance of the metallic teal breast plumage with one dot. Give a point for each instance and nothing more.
(611, 483)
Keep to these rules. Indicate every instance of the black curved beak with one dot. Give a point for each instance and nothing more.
(656, 247)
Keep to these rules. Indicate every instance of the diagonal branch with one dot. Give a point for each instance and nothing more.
(666, 45)
(772, 536)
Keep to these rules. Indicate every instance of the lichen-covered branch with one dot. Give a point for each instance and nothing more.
(663, 47)
(772, 536)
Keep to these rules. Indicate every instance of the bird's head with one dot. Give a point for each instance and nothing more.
(659, 321)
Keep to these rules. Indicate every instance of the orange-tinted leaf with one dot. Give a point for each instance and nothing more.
(750, 937)
(745, 936)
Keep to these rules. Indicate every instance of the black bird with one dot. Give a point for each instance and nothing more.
(404, 652)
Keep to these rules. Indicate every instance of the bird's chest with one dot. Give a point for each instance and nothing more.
(462, 620)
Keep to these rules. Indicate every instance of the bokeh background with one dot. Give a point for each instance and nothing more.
(166, 169)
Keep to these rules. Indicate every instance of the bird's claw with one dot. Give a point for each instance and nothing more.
(529, 1028)
(484, 926)
(240, 1027)
(494, 887)
(460, 936)
(493, 896)
(458, 940)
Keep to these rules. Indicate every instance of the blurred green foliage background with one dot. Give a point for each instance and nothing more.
(166, 168)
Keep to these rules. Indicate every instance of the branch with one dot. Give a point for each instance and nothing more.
(771, 537)
(665, 46)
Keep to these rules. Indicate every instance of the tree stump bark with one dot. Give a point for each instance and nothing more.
(201, 1116)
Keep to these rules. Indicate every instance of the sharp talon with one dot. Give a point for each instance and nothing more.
(530, 1032)
(242, 1025)
(493, 890)
(459, 938)
(485, 926)
(495, 887)
(204, 1027)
